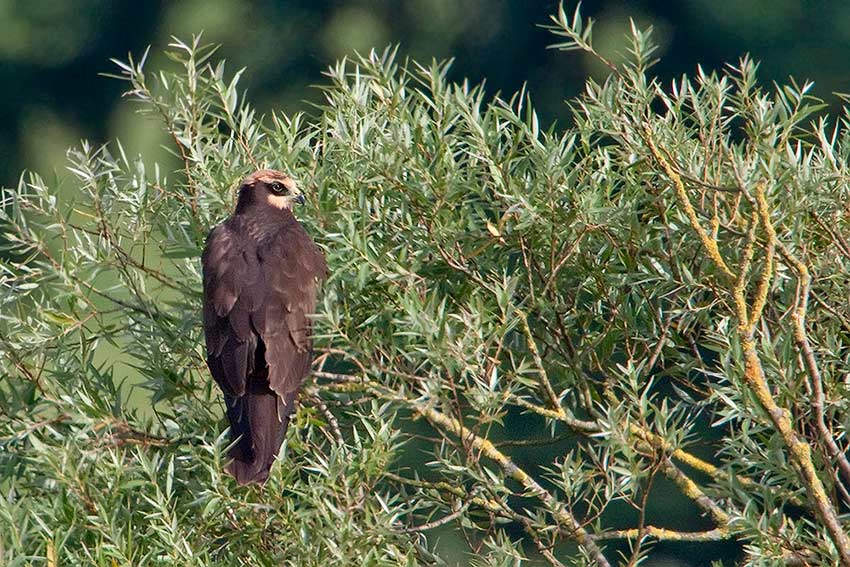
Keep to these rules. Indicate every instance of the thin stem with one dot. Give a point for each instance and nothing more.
(564, 518)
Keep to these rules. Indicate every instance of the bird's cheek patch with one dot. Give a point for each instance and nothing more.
(280, 201)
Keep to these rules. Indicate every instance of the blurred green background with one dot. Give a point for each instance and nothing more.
(51, 52)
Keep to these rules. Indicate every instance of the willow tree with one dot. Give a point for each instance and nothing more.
(533, 342)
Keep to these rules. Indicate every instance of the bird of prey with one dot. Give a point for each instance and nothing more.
(261, 271)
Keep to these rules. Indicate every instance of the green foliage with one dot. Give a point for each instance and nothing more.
(525, 333)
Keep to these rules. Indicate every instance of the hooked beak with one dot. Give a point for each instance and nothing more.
(300, 199)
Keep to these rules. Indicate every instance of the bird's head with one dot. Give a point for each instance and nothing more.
(270, 187)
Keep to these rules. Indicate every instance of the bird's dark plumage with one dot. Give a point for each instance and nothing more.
(261, 271)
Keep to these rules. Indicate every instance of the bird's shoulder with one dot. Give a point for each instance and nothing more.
(293, 245)
(222, 240)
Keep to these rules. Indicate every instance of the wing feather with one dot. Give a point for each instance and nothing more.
(232, 290)
(292, 266)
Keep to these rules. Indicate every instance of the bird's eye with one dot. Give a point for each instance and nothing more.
(278, 188)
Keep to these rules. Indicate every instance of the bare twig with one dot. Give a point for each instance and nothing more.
(810, 365)
(664, 534)
(564, 518)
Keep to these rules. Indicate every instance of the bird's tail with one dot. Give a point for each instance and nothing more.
(258, 423)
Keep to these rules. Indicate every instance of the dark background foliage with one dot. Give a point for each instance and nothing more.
(51, 52)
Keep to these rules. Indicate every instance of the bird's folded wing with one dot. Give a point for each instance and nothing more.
(291, 266)
(233, 289)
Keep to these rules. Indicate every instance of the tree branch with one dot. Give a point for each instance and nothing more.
(558, 511)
